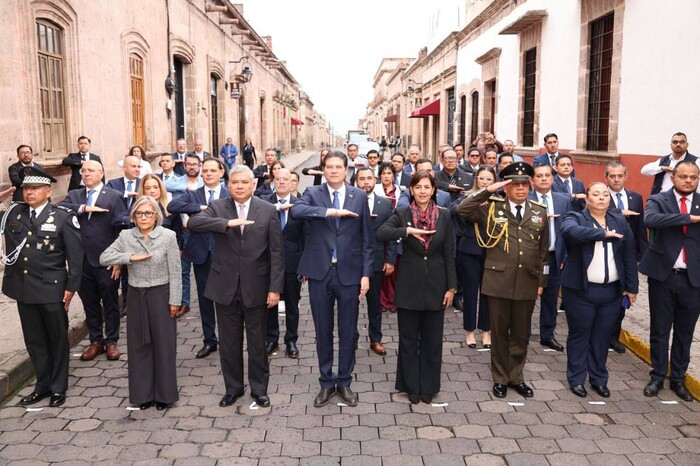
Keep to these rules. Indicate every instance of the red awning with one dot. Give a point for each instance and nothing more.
(296, 122)
(391, 118)
(432, 108)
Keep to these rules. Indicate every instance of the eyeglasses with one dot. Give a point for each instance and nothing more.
(474, 156)
(146, 213)
(192, 164)
(24, 152)
(678, 142)
(484, 179)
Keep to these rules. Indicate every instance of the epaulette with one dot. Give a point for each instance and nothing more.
(538, 203)
(496, 198)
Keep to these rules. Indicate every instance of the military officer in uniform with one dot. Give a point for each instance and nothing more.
(40, 239)
(515, 270)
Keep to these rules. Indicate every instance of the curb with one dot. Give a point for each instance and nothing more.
(642, 349)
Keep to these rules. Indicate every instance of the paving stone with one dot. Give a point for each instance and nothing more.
(284, 435)
(168, 437)
(683, 459)
(690, 445)
(608, 459)
(538, 445)
(656, 445)
(586, 431)
(578, 445)
(419, 447)
(20, 451)
(485, 419)
(222, 450)
(526, 459)
(548, 431)
(397, 433)
(103, 453)
(443, 460)
(84, 425)
(130, 438)
(484, 459)
(625, 432)
(340, 448)
(53, 438)
(359, 433)
(195, 461)
(237, 462)
(247, 435)
(57, 453)
(567, 459)
(340, 420)
(301, 449)
(498, 446)
(322, 434)
(649, 459)
(17, 436)
(360, 461)
(380, 447)
(412, 420)
(402, 460)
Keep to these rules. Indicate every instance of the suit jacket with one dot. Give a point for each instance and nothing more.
(16, 180)
(423, 278)
(252, 260)
(75, 162)
(294, 236)
(577, 187)
(403, 179)
(98, 229)
(544, 159)
(636, 222)
(580, 236)
(199, 245)
(384, 252)
(562, 206)
(353, 239)
(663, 216)
(179, 168)
(259, 173)
(665, 161)
(118, 185)
(464, 180)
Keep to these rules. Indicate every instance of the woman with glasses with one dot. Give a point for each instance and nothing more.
(151, 254)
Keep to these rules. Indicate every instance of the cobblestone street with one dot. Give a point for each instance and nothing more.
(465, 424)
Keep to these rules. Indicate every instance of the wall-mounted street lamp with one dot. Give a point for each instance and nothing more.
(246, 73)
(413, 86)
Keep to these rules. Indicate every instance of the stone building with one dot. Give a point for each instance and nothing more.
(132, 72)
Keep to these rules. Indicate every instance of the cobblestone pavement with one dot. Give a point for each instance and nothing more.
(465, 425)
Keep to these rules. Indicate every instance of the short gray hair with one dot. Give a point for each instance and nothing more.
(241, 169)
(150, 201)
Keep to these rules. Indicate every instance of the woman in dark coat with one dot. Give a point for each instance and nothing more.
(317, 171)
(249, 157)
(425, 286)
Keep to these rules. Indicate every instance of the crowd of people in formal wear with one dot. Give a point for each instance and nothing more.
(481, 231)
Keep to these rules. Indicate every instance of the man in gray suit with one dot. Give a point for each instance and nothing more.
(246, 280)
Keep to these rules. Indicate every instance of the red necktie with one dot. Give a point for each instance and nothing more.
(684, 210)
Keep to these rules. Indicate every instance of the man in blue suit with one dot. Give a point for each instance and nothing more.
(672, 264)
(557, 206)
(384, 257)
(200, 246)
(337, 261)
(551, 145)
(414, 155)
(565, 183)
(443, 197)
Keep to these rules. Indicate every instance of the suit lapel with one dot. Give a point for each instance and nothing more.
(43, 215)
(253, 213)
(233, 213)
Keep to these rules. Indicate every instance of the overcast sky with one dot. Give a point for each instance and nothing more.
(333, 48)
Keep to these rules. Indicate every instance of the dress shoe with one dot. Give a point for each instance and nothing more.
(500, 390)
(205, 351)
(292, 350)
(262, 400)
(601, 390)
(457, 304)
(228, 400)
(34, 397)
(413, 398)
(145, 406)
(552, 343)
(57, 399)
(617, 347)
(378, 348)
(323, 397)
(522, 389)
(161, 406)
(182, 311)
(94, 350)
(486, 339)
(356, 345)
(113, 353)
(122, 312)
(470, 340)
(347, 395)
(427, 399)
(681, 390)
(578, 390)
(653, 387)
(271, 348)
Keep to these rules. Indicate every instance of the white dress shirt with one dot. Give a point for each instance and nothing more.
(246, 209)
(550, 220)
(217, 192)
(596, 269)
(39, 209)
(370, 202)
(126, 186)
(514, 211)
(654, 168)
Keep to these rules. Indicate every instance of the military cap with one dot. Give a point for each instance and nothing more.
(518, 171)
(34, 176)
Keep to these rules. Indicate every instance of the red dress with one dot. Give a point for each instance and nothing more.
(386, 297)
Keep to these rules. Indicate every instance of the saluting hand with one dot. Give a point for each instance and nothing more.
(93, 209)
(139, 257)
(285, 206)
(340, 213)
(494, 188)
(236, 222)
(417, 233)
(630, 213)
(7, 193)
(613, 234)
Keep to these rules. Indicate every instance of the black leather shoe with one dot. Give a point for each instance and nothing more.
(228, 400)
(427, 399)
(578, 390)
(161, 406)
(33, 397)
(349, 398)
(413, 398)
(205, 351)
(601, 390)
(292, 350)
(500, 390)
(681, 390)
(57, 399)
(323, 397)
(653, 387)
(552, 343)
(271, 348)
(522, 389)
(262, 400)
(617, 347)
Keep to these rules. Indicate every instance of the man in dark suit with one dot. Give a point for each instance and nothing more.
(76, 159)
(102, 215)
(179, 157)
(293, 233)
(262, 171)
(399, 161)
(551, 145)
(337, 261)
(199, 150)
(557, 206)
(246, 280)
(662, 168)
(45, 239)
(414, 155)
(631, 205)
(384, 257)
(452, 178)
(199, 249)
(472, 162)
(672, 263)
(565, 183)
(25, 156)
(167, 165)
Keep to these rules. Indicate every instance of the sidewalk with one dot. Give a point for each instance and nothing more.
(15, 366)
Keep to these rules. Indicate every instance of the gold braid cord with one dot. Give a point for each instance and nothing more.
(491, 227)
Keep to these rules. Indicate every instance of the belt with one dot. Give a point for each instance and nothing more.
(680, 270)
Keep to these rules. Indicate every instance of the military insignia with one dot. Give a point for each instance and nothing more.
(48, 227)
(27, 171)
(536, 218)
(538, 204)
(496, 198)
(38, 246)
(19, 217)
(50, 219)
(75, 222)
(500, 212)
(51, 247)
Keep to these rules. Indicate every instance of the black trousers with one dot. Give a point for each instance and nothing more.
(45, 330)
(232, 319)
(548, 300)
(206, 305)
(374, 307)
(100, 294)
(471, 272)
(673, 304)
(420, 351)
(291, 295)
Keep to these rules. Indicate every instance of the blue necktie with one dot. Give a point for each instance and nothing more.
(283, 215)
(566, 185)
(619, 201)
(211, 196)
(129, 188)
(89, 197)
(336, 205)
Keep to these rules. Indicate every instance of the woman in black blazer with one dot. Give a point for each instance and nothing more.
(599, 276)
(317, 171)
(425, 286)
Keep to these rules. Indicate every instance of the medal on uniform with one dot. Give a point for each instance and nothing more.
(51, 247)
(38, 246)
(50, 219)
(19, 217)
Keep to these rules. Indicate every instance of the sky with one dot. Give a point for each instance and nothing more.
(333, 48)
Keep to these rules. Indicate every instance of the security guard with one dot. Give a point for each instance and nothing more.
(40, 238)
(515, 270)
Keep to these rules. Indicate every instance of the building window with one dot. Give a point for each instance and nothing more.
(475, 116)
(462, 119)
(451, 108)
(53, 118)
(137, 103)
(599, 81)
(214, 106)
(529, 68)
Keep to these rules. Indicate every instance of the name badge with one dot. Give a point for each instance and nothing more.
(48, 227)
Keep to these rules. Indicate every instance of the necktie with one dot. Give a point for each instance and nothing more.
(165, 177)
(129, 189)
(545, 201)
(336, 205)
(283, 215)
(211, 196)
(567, 185)
(84, 157)
(32, 219)
(241, 214)
(684, 210)
(620, 205)
(89, 197)
(551, 158)
(605, 258)
(519, 214)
